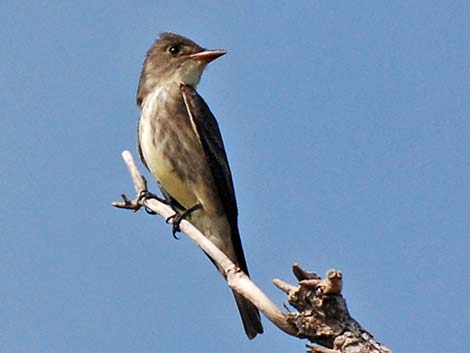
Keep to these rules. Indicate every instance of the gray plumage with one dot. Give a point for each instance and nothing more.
(180, 143)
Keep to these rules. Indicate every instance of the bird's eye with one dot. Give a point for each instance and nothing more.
(174, 49)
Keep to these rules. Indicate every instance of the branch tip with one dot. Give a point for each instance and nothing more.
(302, 274)
(284, 286)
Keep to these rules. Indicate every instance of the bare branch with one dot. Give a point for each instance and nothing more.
(140, 183)
(237, 280)
(322, 316)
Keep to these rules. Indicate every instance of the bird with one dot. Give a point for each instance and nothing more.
(180, 143)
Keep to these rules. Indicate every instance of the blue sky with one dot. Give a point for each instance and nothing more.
(347, 129)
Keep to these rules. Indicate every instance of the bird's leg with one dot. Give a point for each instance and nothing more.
(179, 216)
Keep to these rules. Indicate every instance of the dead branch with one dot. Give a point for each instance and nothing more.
(322, 316)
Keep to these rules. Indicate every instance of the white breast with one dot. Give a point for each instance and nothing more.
(151, 147)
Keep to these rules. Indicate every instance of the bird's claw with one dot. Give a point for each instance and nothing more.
(147, 195)
(176, 220)
(178, 217)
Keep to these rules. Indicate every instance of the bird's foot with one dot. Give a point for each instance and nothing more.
(179, 216)
(147, 195)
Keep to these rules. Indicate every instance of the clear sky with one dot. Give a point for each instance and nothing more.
(347, 129)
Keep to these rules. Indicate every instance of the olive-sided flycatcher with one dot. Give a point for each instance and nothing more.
(181, 145)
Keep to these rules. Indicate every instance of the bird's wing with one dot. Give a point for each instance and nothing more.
(207, 129)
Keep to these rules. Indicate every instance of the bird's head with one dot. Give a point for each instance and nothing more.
(174, 59)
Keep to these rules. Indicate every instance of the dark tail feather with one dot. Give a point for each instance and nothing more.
(250, 316)
(248, 312)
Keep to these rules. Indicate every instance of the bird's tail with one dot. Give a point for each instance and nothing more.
(250, 316)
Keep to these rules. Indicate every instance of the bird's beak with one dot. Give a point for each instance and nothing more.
(207, 56)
